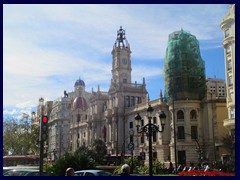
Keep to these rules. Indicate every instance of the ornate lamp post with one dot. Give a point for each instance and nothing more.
(149, 129)
(199, 151)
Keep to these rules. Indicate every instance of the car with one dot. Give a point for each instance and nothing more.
(92, 172)
(24, 172)
(7, 168)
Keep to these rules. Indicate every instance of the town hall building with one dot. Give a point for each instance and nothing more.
(195, 107)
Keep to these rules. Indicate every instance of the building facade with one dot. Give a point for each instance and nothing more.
(194, 116)
(228, 27)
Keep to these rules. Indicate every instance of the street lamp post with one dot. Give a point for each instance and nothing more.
(199, 152)
(149, 129)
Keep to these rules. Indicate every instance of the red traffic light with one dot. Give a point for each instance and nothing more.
(45, 119)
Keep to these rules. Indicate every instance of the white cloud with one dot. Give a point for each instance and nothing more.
(9, 112)
(28, 104)
(47, 47)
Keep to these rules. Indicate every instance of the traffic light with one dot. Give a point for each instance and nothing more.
(44, 128)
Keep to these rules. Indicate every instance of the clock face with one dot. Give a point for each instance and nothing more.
(124, 61)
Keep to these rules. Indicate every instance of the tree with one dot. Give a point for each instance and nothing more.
(20, 138)
(99, 149)
(229, 143)
(81, 159)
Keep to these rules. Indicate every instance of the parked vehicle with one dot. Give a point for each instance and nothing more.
(23, 172)
(92, 172)
(5, 169)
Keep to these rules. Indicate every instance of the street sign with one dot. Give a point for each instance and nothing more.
(131, 146)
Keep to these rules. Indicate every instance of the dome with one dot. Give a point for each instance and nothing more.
(79, 82)
(184, 68)
(80, 103)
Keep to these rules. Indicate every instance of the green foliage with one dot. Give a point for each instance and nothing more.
(229, 143)
(50, 169)
(81, 159)
(143, 170)
(136, 163)
(100, 151)
(20, 138)
(158, 168)
(140, 168)
(117, 171)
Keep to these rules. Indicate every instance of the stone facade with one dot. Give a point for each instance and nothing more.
(228, 27)
(81, 117)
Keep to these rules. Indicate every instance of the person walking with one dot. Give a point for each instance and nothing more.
(69, 172)
(125, 170)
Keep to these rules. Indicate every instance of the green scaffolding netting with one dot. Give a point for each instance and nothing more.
(184, 69)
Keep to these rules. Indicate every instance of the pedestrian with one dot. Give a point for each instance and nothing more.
(69, 172)
(125, 170)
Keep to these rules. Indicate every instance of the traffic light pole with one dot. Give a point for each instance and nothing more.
(43, 137)
(41, 157)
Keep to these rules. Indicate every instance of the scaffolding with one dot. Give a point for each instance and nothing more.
(184, 69)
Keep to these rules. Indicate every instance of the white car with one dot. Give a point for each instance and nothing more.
(92, 172)
(23, 172)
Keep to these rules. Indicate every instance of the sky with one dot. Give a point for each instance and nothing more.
(46, 48)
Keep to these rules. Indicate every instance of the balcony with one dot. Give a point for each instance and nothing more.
(229, 123)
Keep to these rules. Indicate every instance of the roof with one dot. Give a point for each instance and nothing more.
(80, 103)
(79, 82)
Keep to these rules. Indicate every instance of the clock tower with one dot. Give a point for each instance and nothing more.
(122, 93)
(121, 60)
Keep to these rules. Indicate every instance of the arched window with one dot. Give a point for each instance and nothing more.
(180, 115)
(193, 115)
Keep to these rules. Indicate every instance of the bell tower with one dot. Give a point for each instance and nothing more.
(121, 60)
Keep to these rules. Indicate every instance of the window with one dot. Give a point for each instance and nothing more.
(226, 33)
(78, 117)
(229, 64)
(230, 81)
(212, 89)
(180, 115)
(193, 115)
(154, 120)
(181, 133)
(124, 80)
(132, 101)
(131, 125)
(127, 101)
(228, 49)
(194, 133)
(139, 100)
(142, 135)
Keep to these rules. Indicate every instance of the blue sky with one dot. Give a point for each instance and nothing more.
(46, 48)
